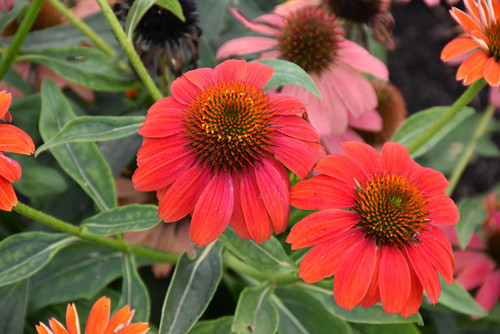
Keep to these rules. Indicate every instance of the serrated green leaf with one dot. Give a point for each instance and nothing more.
(82, 161)
(300, 312)
(267, 256)
(458, 299)
(472, 214)
(220, 326)
(192, 287)
(255, 312)
(134, 291)
(419, 122)
(76, 272)
(288, 73)
(93, 129)
(25, 254)
(127, 218)
(85, 66)
(13, 303)
(371, 315)
(140, 7)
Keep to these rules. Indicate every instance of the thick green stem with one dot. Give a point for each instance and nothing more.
(148, 253)
(129, 50)
(82, 26)
(469, 150)
(19, 37)
(459, 104)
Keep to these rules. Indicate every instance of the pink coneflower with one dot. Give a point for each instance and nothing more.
(482, 40)
(375, 230)
(478, 266)
(213, 149)
(312, 38)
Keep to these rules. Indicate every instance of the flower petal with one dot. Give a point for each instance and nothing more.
(363, 155)
(475, 274)
(5, 101)
(57, 327)
(359, 58)
(286, 104)
(8, 197)
(297, 155)
(231, 69)
(72, 320)
(492, 71)
(10, 169)
(121, 318)
(245, 45)
(443, 210)
(467, 22)
(98, 317)
(394, 279)
(488, 294)
(237, 221)
(437, 248)
(43, 329)
(297, 127)
(183, 89)
(395, 158)
(472, 68)
(415, 299)
(135, 328)
(458, 46)
(15, 140)
(425, 271)
(201, 77)
(260, 28)
(258, 74)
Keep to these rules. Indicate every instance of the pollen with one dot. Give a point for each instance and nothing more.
(230, 125)
(392, 209)
(310, 39)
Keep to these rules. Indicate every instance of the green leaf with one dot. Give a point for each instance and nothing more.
(140, 7)
(220, 326)
(419, 122)
(267, 256)
(134, 291)
(472, 214)
(41, 181)
(387, 329)
(192, 287)
(300, 312)
(458, 299)
(288, 73)
(85, 66)
(8, 16)
(94, 128)
(255, 313)
(128, 218)
(76, 272)
(82, 161)
(13, 303)
(371, 315)
(25, 254)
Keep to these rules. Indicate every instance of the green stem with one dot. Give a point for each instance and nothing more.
(129, 50)
(19, 37)
(459, 104)
(123, 246)
(469, 150)
(82, 26)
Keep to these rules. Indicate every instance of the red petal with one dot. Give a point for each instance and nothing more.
(340, 167)
(394, 280)
(15, 140)
(213, 210)
(237, 221)
(286, 104)
(443, 210)
(373, 294)
(182, 196)
(425, 271)
(323, 259)
(395, 157)
(201, 77)
(183, 89)
(10, 169)
(432, 182)
(162, 124)
(364, 156)
(297, 127)
(274, 185)
(5, 100)
(231, 69)
(166, 105)
(8, 197)
(437, 248)
(415, 298)
(322, 192)
(98, 317)
(475, 274)
(321, 226)
(296, 155)
(488, 294)
(258, 221)
(258, 74)
(354, 274)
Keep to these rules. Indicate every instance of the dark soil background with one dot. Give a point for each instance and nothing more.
(416, 69)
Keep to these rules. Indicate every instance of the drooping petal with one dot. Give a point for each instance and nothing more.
(472, 68)
(369, 121)
(416, 294)
(425, 271)
(237, 221)
(475, 274)
(245, 45)
(213, 210)
(231, 69)
(260, 28)
(492, 71)
(274, 185)
(98, 317)
(354, 274)
(321, 192)
(489, 293)
(320, 227)
(373, 294)
(394, 279)
(5, 101)
(10, 169)
(8, 197)
(15, 140)
(438, 250)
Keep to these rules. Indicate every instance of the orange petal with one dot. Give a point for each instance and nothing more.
(135, 328)
(9, 168)
(43, 329)
(72, 320)
(471, 6)
(122, 317)
(467, 22)
(425, 271)
(458, 46)
(472, 68)
(15, 140)
(8, 197)
(98, 317)
(57, 327)
(394, 280)
(491, 72)
(5, 100)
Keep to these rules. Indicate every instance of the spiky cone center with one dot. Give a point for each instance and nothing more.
(392, 209)
(361, 11)
(493, 34)
(310, 39)
(230, 125)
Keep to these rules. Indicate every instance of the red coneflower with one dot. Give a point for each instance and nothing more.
(482, 29)
(98, 321)
(384, 245)
(15, 140)
(213, 149)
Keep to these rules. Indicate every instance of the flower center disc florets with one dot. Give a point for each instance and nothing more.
(493, 34)
(392, 209)
(310, 39)
(230, 124)
(362, 11)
